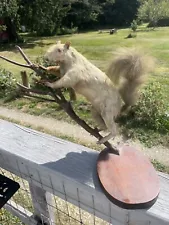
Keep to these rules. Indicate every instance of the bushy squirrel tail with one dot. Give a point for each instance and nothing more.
(128, 72)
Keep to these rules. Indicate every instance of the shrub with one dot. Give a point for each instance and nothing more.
(161, 23)
(40, 60)
(66, 30)
(151, 109)
(151, 112)
(148, 120)
(7, 83)
(134, 25)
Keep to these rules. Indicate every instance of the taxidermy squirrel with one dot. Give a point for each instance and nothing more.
(109, 94)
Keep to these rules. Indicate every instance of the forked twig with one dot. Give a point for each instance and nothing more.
(14, 62)
(27, 91)
(35, 91)
(58, 98)
(24, 56)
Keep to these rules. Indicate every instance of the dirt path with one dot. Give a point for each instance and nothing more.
(62, 128)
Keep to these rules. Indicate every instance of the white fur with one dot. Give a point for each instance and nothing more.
(89, 81)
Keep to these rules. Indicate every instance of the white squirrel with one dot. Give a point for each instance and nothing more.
(109, 94)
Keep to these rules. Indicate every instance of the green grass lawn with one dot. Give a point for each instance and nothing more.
(99, 49)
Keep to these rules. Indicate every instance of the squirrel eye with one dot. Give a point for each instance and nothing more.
(59, 50)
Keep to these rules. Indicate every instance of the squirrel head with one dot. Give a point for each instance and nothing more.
(58, 52)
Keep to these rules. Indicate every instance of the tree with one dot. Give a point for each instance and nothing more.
(153, 10)
(83, 14)
(106, 12)
(9, 16)
(118, 12)
(44, 17)
(8, 8)
(25, 13)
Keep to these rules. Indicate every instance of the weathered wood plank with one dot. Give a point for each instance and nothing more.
(42, 204)
(41, 158)
(24, 215)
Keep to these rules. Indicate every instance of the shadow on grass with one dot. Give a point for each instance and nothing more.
(141, 129)
(28, 44)
(146, 30)
(131, 122)
(30, 41)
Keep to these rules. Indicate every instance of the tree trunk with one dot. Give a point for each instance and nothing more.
(11, 29)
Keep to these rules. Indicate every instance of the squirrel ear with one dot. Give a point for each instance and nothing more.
(67, 45)
(58, 42)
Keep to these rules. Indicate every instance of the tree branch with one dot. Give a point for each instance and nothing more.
(58, 98)
(67, 107)
(40, 98)
(15, 63)
(35, 91)
(24, 56)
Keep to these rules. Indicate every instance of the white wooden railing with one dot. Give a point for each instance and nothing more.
(48, 166)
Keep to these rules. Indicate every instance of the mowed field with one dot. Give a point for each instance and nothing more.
(99, 48)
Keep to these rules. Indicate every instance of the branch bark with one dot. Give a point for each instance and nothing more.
(14, 62)
(39, 97)
(35, 91)
(24, 56)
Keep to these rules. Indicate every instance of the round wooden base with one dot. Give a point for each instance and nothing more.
(129, 179)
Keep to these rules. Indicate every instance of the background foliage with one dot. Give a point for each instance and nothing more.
(59, 17)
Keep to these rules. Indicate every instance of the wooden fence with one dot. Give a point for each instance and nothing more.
(61, 184)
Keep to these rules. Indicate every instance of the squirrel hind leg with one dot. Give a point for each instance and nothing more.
(98, 119)
(72, 94)
(111, 125)
(125, 109)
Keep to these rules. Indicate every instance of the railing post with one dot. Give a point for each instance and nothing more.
(44, 212)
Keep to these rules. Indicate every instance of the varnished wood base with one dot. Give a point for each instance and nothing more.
(129, 179)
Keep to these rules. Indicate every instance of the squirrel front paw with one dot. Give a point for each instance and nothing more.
(46, 83)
